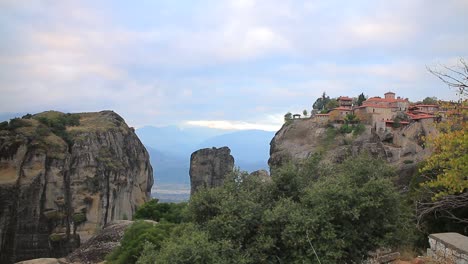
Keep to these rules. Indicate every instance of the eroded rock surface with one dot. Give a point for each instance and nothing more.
(209, 167)
(97, 247)
(57, 187)
(300, 139)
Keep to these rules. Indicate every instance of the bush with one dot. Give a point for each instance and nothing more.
(162, 212)
(189, 245)
(59, 123)
(358, 129)
(346, 129)
(134, 239)
(343, 211)
(17, 123)
(79, 218)
(4, 125)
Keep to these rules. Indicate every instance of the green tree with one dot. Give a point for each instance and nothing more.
(361, 98)
(321, 102)
(162, 212)
(351, 119)
(430, 100)
(305, 112)
(135, 238)
(445, 185)
(332, 103)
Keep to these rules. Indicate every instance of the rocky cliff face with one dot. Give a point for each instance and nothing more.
(402, 147)
(209, 167)
(61, 181)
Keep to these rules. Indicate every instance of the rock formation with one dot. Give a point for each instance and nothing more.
(209, 167)
(263, 175)
(299, 139)
(96, 248)
(64, 176)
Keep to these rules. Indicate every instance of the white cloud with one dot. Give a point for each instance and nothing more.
(236, 125)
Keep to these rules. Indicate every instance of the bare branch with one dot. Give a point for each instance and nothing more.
(453, 77)
(444, 207)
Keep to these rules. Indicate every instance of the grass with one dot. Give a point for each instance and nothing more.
(92, 122)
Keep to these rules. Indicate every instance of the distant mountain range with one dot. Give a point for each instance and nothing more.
(170, 149)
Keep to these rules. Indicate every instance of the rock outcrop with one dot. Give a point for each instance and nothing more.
(263, 175)
(96, 248)
(61, 180)
(402, 147)
(209, 167)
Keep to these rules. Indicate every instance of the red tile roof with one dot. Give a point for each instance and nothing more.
(388, 100)
(416, 116)
(376, 106)
(345, 98)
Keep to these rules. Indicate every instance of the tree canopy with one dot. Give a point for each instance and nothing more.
(307, 212)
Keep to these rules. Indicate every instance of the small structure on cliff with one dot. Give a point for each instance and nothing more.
(209, 167)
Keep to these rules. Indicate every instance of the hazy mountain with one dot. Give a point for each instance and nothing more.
(175, 140)
(250, 148)
(169, 168)
(170, 149)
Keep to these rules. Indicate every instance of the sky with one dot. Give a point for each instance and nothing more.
(224, 64)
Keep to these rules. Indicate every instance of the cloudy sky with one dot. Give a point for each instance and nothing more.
(232, 64)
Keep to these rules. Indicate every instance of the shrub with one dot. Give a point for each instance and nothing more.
(79, 218)
(346, 129)
(162, 212)
(134, 239)
(17, 123)
(358, 129)
(4, 125)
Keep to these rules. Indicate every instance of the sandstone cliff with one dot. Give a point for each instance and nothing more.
(209, 167)
(402, 147)
(62, 181)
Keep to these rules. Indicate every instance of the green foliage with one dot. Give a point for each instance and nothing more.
(4, 125)
(341, 210)
(134, 239)
(305, 113)
(344, 211)
(346, 129)
(361, 98)
(332, 103)
(17, 123)
(56, 237)
(358, 129)
(79, 218)
(430, 100)
(447, 167)
(351, 119)
(190, 245)
(27, 116)
(320, 103)
(162, 212)
(330, 135)
(58, 124)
